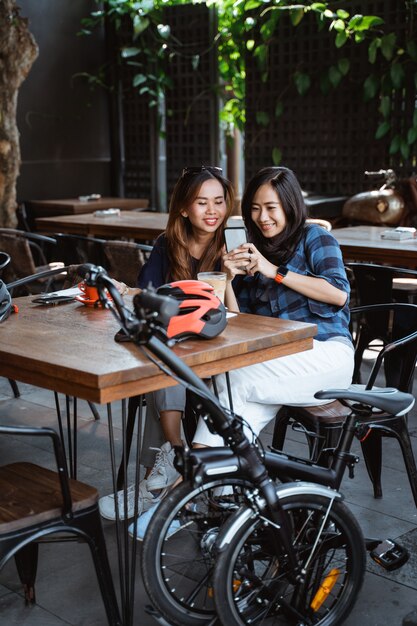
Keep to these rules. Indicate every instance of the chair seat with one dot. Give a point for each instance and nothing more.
(30, 494)
(331, 413)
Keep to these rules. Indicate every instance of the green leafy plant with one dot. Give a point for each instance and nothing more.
(248, 28)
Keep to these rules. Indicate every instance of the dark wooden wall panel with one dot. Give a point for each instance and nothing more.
(137, 127)
(63, 124)
(192, 128)
(192, 124)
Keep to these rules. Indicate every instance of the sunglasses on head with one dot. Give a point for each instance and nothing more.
(202, 168)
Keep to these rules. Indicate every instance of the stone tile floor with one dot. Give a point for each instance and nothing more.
(67, 590)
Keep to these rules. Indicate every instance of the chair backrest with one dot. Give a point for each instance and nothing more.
(77, 249)
(27, 253)
(373, 284)
(19, 250)
(399, 354)
(125, 259)
(58, 452)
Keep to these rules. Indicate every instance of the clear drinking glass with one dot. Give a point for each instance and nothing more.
(217, 280)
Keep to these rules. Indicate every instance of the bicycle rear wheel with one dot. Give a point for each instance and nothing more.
(253, 586)
(177, 557)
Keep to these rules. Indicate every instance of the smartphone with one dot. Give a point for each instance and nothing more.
(53, 299)
(235, 237)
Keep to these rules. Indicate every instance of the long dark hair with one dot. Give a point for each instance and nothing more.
(277, 249)
(179, 229)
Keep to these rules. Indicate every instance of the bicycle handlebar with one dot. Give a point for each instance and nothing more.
(380, 173)
(33, 277)
(389, 176)
(146, 326)
(150, 307)
(96, 276)
(164, 306)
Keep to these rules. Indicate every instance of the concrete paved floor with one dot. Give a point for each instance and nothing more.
(67, 591)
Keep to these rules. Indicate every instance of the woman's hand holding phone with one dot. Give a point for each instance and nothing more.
(236, 262)
(252, 260)
(242, 257)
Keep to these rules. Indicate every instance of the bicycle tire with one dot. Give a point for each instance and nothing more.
(251, 584)
(177, 575)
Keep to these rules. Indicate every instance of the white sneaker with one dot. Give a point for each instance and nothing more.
(163, 474)
(107, 507)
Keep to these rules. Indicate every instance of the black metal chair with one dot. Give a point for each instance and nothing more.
(28, 257)
(377, 284)
(37, 503)
(77, 249)
(322, 423)
(71, 275)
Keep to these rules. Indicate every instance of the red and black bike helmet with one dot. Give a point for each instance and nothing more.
(201, 313)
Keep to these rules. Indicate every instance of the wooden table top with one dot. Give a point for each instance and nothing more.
(364, 243)
(75, 206)
(141, 225)
(69, 348)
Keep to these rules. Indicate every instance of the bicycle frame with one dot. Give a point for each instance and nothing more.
(146, 329)
(200, 464)
(243, 458)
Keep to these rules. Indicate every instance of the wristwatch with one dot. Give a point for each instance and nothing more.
(282, 271)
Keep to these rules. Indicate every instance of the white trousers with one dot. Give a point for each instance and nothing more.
(259, 390)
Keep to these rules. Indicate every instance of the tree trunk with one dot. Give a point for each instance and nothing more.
(18, 51)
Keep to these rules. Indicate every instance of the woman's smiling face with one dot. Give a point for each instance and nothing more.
(267, 212)
(208, 209)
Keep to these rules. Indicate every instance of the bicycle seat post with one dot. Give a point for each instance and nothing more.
(342, 457)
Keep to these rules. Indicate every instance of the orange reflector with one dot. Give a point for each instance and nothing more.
(324, 589)
(236, 585)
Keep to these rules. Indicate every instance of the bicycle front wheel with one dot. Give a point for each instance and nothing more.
(178, 556)
(253, 585)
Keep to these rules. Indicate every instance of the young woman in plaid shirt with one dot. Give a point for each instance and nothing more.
(293, 270)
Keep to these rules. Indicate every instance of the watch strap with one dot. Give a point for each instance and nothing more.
(282, 271)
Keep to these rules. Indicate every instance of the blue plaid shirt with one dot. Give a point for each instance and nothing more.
(318, 254)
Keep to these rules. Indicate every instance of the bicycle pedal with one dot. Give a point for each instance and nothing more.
(390, 555)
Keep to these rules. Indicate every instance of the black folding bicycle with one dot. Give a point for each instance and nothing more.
(228, 540)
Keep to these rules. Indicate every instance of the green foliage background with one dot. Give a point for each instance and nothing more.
(248, 27)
